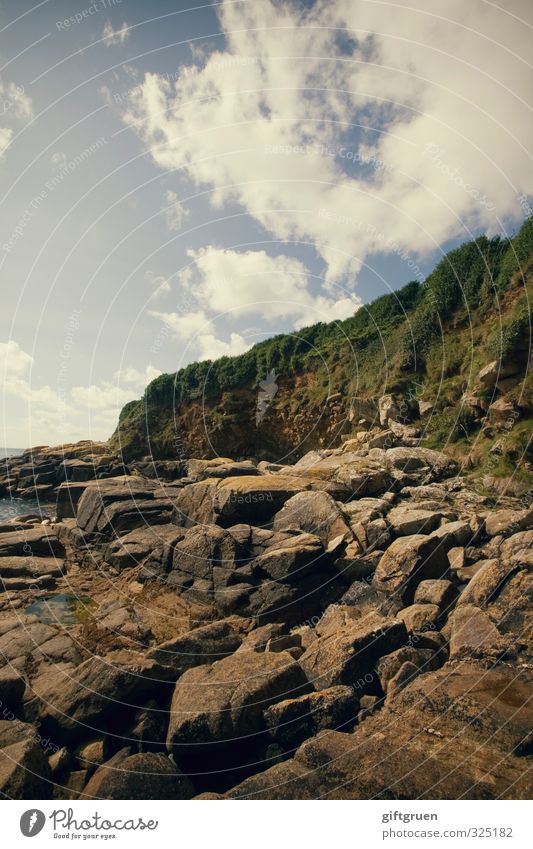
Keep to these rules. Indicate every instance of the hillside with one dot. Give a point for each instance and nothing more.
(424, 344)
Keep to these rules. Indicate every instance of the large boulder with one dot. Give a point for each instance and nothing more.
(508, 522)
(119, 505)
(203, 645)
(224, 702)
(27, 645)
(406, 521)
(435, 464)
(150, 775)
(352, 475)
(408, 561)
(96, 695)
(246, 498)
(345, 656)
(292, 721)
(488, 582)
(474, 635)
(24, 772)
(132, 549)
(314, 512)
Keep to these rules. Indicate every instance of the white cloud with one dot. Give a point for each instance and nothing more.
(15, 106)
(252, 282)
(113, 36)
(175, 212)
(14, 362)
(211, 348)
(41, 411)
(135, 378)
(161, 285)
(227, 285)
(185, 325)
(323, 87)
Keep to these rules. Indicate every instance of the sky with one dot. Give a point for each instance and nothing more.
(179, 181)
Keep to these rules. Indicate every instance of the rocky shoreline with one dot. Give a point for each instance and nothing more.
(356, 625)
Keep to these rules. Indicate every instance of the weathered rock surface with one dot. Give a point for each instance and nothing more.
(253, 629)
(407, 562)
(143, 776)
(225, 701)
(292, 721)
(344, 657)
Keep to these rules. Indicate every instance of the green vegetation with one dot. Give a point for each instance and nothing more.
(430, 339)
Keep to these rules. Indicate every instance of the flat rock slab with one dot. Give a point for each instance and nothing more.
(12, 567)
(38, 540)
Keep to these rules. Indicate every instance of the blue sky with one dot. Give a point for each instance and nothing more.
(179, 182)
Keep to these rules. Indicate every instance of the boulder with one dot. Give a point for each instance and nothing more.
(67, 498)
(203, 645)
(314, 512)
(219, 467)
(474, 635)
(388, 409)
(503, 413)
(149, 775)
(224, 701)
(100, 691)
(36, 541)
(439, 592)
(508, 522)
(258, 639)
(405, 521)
(345, 656)
(454, 534)
(389, 665)
(436, 464)
(24, 772)
(495, 371)
(133, 548)
(488, 581)
(292, 721)
(407, 562)
(26, 645)
(229, 501)
(420, 617)
(13, 730)
(118, 505)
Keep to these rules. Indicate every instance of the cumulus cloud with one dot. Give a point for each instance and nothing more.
(228, 284)
(354, 123)
(14, 362)
(43, 409)
(113, 36)
(252, 282)
(136, 378)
